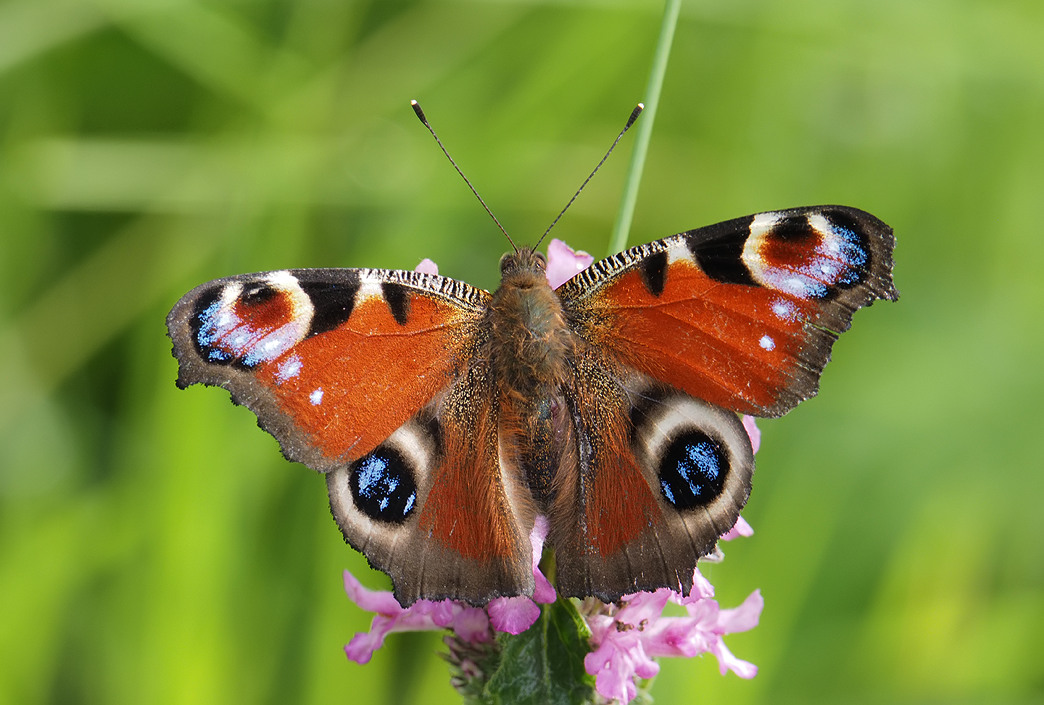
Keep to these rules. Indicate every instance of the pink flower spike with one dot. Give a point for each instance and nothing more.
(753, 431)
(628, 640)
(563, 262)
(426, 266)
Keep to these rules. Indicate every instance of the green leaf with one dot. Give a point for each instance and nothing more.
(545, 664)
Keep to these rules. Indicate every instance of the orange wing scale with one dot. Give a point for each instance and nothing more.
(364, 379)
(468, 479)
(618, 506)
(737, 352)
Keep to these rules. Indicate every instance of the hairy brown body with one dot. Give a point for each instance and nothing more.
(531, 346)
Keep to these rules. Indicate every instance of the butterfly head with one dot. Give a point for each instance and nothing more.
(523, 265)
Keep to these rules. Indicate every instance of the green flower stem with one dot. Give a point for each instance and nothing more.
(625, 215)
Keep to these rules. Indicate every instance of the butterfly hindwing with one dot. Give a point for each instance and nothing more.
(741, 314)
(434, 507)
(656, 477)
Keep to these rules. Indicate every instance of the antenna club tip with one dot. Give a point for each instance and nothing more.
(634, 115)
(417, 109)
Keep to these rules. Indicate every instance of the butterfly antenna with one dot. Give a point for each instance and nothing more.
(630, 121)
(424, 121)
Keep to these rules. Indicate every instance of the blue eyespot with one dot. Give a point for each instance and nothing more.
(383, 486)
(854, 254)
(693, 470)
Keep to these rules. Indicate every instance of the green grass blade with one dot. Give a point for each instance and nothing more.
(625, 215)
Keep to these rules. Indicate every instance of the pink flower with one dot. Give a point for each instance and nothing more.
(740, 528)
(513, 615)
(426, 266)
(627, 640)
(470, 623)
(752, 431)
(563, 262)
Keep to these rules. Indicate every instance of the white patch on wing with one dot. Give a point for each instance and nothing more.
(369, 288)
(784, 310)
(678, 251)
(316, 397)
(274, 343)
(288, 368)
(825, 228)
(417, 446)
(760, 228)
(767, 343)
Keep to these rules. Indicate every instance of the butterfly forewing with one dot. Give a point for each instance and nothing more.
(741, 314)
(311, 352)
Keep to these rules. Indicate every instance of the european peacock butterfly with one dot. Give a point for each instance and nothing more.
(446, 418)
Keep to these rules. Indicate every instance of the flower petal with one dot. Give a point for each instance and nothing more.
(362, 646)
(617, 661)
(472, 625)
(727, 662)
(543, 592)
(513, 615)
(752, 431)
(379, 601)
(642, 607)
(740, 528)
(742, 618)
(426, 266)
(701, 590)
(563, 262)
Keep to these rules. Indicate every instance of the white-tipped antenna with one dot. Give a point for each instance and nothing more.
(424, 120)
(630, 121)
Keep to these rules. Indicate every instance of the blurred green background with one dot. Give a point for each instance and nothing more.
(156, 548)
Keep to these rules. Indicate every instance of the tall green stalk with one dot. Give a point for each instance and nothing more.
(625, 215)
